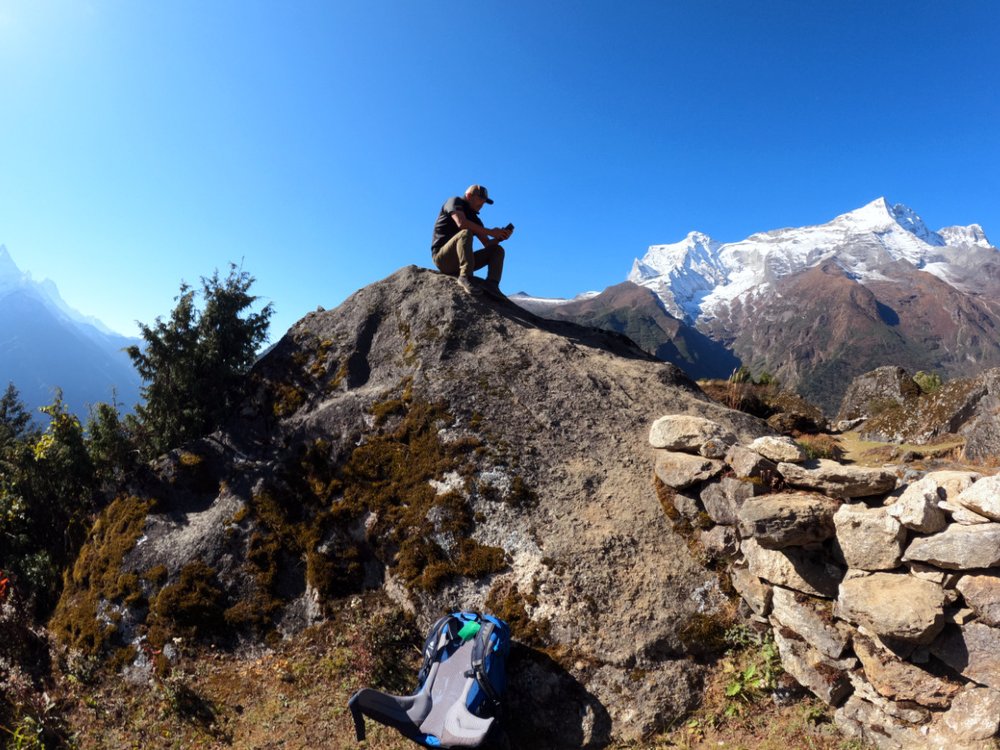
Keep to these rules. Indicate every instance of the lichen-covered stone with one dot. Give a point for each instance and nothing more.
(917, 507)
(893, 605)
(683, 432)
(838, 480)
(982, 594)
(807, 571)
(680, 470)
(974, 715)
(869, 538)
(723, 499)
(982, 497)
(787, 519)
(778, 448)
(900, 680)
(958, 547)
(812, 619)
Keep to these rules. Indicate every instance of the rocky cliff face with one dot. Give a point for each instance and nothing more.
(449, 452)
(895, 410)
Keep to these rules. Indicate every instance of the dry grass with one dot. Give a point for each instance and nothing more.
(873, 453)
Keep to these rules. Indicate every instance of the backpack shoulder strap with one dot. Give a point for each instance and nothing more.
(480, 649)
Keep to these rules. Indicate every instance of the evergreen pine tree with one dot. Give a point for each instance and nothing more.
(193, 364)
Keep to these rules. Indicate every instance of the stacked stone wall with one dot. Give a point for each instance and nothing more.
(881, 585)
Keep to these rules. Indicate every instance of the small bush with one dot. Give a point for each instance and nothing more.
(821, 446)
(929, 382)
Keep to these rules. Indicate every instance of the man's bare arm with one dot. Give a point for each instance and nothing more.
(486, 236)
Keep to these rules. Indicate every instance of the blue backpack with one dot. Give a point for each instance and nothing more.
(459, 686)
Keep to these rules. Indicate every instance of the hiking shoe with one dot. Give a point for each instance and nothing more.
(466, 283)
(492, 288)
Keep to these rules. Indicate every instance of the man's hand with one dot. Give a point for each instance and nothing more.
(501, 234)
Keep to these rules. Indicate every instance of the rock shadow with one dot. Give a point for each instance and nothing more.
(547, 707)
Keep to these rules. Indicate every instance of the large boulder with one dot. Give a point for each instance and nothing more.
(873, 392)
(437, 451)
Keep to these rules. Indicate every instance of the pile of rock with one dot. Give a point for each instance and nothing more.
(881, 586)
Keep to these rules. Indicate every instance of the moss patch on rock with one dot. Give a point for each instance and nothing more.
(96, 580)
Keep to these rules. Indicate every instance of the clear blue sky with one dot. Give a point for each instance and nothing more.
(142, 143)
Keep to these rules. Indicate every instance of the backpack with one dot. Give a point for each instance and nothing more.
(459, 686)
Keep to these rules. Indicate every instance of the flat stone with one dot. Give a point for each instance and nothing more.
(826, 678)
(917, 508)
(680, 470)
(869, 538)
(837, 479)
(682, 432)
(748, 464)
(893, 605)
(778, 449)
(787, 519)
(974, 714)
(723, 499)
(972, 650)
(899, 680)
(961, 515)
(807, 571)
(982, 594)
(958, 547)
(811, 619)
(757, 594)
(983, 497)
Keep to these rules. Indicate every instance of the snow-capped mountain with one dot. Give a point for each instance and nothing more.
(45, 344)
(697, 276)
(816, 305)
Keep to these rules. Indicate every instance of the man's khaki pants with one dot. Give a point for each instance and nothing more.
(455, 257)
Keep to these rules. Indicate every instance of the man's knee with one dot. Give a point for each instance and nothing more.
(498, 251)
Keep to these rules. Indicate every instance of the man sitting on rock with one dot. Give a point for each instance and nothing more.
(457, 225)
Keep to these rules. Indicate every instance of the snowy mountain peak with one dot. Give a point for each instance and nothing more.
(972, 235)
(9, 272)
(698, 276)
(879, 217)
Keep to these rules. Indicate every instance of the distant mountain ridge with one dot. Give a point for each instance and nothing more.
(45, 344)
(818, 305)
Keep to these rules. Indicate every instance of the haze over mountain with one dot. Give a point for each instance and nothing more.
(820, 304)
(45, 344)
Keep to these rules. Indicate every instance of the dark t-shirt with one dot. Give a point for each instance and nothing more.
(445, 227)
